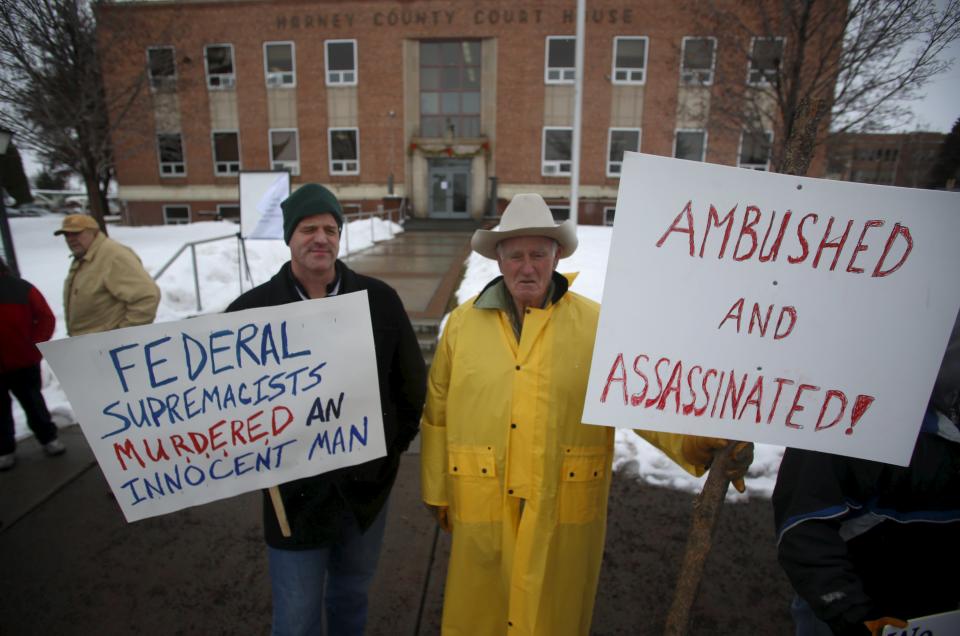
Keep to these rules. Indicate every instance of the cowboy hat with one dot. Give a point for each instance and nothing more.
(527, 215)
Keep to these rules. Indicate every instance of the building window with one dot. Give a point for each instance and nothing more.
(176, 214)
(765, 56)
(344, 144)
(228, 212)
(697, 61)
(560, 212)
(557, 144)
(690, 144)
(620, 140)
(629, 60)
(560, 67)
(218, 59)
(341, 62)
(755, 150)
(608, 213)
(226, 153)
(278, 64)
(285, 150)
(170, 149)
(161, 67)
(450, 89)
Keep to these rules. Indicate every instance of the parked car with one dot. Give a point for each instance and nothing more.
(27, 209)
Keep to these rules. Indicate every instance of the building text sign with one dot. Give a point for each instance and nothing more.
(184, 413)
(778, 309)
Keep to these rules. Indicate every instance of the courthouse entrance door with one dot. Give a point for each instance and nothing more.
(449, 188)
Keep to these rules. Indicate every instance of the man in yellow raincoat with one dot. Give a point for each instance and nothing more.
(506, 464)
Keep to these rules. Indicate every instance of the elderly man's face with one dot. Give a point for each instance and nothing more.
(314, 245)
(79, 242)
(527, 262)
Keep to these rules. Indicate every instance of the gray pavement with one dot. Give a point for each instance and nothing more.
(70, 564)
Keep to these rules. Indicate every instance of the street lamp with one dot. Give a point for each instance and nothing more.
(8, 253)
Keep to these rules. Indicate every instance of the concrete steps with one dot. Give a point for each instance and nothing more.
(428, 332)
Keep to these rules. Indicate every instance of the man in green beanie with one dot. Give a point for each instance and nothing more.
(337, 518)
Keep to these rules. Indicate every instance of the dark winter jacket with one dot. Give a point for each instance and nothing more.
(315, 504)
(861, 540)
(25, 319)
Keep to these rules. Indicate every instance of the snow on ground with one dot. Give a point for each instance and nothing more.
(44, 261)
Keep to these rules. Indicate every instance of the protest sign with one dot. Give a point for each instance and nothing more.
(934, 625)
(184, 413)
(772, 308)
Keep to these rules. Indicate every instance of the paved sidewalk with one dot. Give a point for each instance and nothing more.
(70, 564)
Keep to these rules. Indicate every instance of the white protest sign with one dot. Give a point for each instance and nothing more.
(770, 308)
(261, 194)
(946, 624)
(184, 413)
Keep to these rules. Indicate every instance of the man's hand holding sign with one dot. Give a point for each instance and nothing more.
(771, 308)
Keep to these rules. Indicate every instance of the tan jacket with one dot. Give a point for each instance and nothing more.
(107, 289)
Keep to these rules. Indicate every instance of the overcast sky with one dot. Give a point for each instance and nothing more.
(941, 107)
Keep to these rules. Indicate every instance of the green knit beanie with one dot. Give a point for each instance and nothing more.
(307, 200)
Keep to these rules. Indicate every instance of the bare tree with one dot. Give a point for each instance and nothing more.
(854, 66)
(52, 93)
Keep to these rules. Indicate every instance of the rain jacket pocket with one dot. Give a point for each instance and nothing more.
(474, 488)
(582, 479)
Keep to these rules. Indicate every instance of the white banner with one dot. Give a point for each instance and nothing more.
(771, 308)
(261, 194)
(184, 413)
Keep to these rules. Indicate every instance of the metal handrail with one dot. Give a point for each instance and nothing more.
(358, 216)
(192, 245)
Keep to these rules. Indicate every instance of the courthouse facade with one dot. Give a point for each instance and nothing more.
(447, 107)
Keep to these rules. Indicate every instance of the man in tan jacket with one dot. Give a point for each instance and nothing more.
(107, 286)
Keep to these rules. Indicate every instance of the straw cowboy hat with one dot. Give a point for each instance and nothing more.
(527, 215)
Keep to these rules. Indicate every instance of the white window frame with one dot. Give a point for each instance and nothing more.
(755, 166)
(559, 208)
(764, 80)
(608, 211)
(703, 152)
(555, 165)
(161, 82)
(610, 162)
(334, 78)
(632, 75)
(564, 74)
(280, 79)
(172, 169)
(166, 219)
(224, 81)
(228, 205)
(277, 164)
(342, 166)
(231, 168)
(698, 77)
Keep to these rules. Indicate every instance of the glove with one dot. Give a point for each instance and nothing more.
(442, 515)
(701, 451)
(876, 625)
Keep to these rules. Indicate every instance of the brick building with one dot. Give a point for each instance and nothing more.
(899, 159)
(424, 102)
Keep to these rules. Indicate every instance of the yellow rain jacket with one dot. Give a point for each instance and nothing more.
(526, 483)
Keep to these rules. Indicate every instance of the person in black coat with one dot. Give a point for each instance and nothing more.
(867, 544)
(337, 518)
